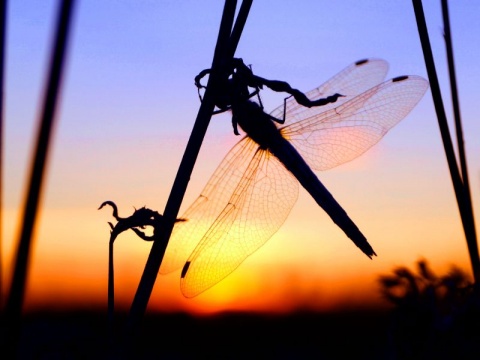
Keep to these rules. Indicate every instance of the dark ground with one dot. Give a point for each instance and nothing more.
(307, 335)
(84, 335)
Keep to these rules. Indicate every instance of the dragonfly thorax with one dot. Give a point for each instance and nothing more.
(256, 123)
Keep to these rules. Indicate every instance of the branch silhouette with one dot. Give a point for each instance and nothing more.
(139, 220)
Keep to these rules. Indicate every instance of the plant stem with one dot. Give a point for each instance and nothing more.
(3, 26)
(460, 193)
(456, 111)
(17, 291)
(111, 291)
(224, 51)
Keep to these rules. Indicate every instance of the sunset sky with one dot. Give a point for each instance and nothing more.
(127, 109)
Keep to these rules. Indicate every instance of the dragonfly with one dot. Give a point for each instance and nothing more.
(251, 193)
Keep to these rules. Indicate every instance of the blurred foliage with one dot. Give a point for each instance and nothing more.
(434, 316)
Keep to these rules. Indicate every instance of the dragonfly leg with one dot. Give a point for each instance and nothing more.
(300, 97)
(284, 111)
(282, 120)
(273, 118)
(235, 124)
(324, 101)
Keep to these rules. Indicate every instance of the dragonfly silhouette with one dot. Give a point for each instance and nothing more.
(254, 188)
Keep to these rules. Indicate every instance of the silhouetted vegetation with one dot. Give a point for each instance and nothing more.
(459, 180)
(434, 316)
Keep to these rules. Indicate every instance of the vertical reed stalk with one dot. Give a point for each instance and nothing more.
(46, 124)
(3, 27)
(456, 110)
(111, 292)
(459, 188)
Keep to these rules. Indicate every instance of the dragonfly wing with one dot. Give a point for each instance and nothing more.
(350, 82)
(203, 211)
(257, 208)
(339, 135)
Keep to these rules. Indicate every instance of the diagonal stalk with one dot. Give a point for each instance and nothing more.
(224, 51)
(456, 109)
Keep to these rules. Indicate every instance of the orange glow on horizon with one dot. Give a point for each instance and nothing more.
(275, 279)
(308, 264)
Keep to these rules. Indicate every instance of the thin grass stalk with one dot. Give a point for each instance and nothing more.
(17, 291)
(467, 219)
(238, 27)
(3, 27)
(456, 111)
(111, 291)
(159, 246)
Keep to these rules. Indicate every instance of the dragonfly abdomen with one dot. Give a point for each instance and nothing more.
(293, 161)
(264, 132)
